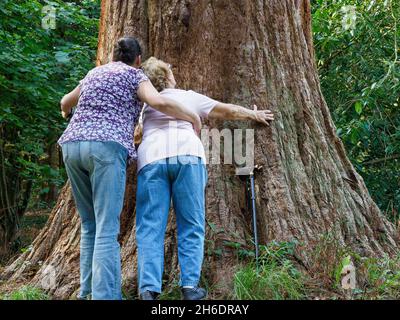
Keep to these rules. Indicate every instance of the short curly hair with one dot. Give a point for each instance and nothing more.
(157, 71)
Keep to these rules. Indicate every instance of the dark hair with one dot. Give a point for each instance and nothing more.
(126, 50)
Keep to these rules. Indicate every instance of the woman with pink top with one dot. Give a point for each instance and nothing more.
(171, 165)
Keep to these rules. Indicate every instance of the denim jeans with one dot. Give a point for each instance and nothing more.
(97, 171)
(183, 179)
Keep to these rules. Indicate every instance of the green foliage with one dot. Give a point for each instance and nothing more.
(27, 293)
(360, 70)
(276, 251)
(38, 66)
(276, 278)
(279, 278)
(329, 256)
(379, 278)
(376, 278)
(338, 269)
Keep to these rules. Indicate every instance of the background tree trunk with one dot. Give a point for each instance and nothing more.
(244, 52)
(53, 160)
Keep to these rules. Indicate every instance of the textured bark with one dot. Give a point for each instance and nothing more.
(245, 52)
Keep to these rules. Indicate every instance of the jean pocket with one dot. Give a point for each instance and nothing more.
(106, 152)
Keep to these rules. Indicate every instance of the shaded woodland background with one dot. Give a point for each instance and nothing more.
(357, 59)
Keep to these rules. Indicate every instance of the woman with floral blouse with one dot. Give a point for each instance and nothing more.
(96, 146)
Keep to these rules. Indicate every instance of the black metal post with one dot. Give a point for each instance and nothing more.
(254, 213)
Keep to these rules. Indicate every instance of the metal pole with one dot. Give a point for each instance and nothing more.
(253, 206)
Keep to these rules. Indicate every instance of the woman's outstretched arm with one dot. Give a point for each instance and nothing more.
(227, 111)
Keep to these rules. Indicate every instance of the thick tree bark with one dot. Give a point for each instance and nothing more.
(245, 52)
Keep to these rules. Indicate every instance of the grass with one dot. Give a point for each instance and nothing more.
(275, 279)
(26, 293)
(272, 282)
(379, 278)
(279, 277)
(376, 277)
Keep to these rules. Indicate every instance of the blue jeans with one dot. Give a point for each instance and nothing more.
(97, 171)
(183, 179)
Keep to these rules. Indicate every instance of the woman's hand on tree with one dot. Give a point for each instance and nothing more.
(262, 116)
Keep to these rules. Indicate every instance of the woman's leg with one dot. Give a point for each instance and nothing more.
(188, 189)
(107, 166)
(82, 192)
(153, 200)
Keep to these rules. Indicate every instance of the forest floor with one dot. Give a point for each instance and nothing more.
(279, 277)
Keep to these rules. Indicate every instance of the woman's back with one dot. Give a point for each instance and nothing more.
(108, 107)
(164, 136)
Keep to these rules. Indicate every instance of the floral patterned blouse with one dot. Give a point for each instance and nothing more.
(108, 107)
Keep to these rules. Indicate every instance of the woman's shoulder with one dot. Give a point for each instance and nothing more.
(114, 66)
(136, 75)
(120, 69)
(173, 91)
(187, 94)
(102, 68)
(191, 93)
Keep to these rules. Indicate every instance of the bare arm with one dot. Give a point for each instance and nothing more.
(69, 101)
(148, 94)
(229, 111)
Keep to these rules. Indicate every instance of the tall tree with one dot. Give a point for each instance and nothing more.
(247, 52)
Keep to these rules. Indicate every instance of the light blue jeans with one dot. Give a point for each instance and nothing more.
(97, 171)
(183, 179)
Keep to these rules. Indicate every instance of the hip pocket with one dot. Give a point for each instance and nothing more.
(107, 152)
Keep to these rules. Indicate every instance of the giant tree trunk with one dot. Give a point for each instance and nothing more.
(245, 52)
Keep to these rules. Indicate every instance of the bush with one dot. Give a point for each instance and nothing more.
(360, 71)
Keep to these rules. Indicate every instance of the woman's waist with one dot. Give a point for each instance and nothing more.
(101, 130)
(149, 152)
(180, 139)
(99, 122)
